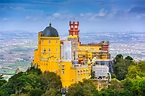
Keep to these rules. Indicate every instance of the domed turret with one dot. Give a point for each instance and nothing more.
(50, 32)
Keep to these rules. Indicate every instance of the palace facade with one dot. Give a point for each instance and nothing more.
(70, 59)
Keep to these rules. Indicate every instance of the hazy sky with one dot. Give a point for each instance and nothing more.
(93, 15)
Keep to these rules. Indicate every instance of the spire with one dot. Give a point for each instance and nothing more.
(50, 24)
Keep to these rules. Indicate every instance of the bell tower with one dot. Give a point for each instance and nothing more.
(74, 29)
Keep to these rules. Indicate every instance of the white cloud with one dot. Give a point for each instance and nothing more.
(28, 17)
(32, 18)
(94, 16)
(102, 12)
(56, 15)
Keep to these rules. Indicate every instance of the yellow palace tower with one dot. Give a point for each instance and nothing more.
(69, 59)
(47, 56)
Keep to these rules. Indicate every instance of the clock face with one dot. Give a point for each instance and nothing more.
(76, 26)
(71, 26)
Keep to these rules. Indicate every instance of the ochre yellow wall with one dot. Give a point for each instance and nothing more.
(36, 55)
(87, 52)
(66, 74)
(52, 47)
(47, 55)
(70, 74)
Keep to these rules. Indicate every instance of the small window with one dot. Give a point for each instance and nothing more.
(49, 50)
(56, 49)
(84, 71)
(56, 41)
(81, 71)
(63, 67)
(62, 72)
(78, 72)
(44, 51)
(49, 41)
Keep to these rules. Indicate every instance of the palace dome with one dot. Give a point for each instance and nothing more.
(50, 32)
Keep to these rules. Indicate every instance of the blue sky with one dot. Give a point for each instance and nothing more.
(93, 15)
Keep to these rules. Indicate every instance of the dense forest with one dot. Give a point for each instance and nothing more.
(128, 79)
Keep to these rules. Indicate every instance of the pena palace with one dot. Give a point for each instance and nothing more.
(72, 60)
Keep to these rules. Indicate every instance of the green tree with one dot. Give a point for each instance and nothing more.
(85, 88)
(36, 92)
(136, 70)
(33, 70)
(134, 84)
(50, 80)
(116, 85)
(120, 69)
(133, 72)
(23, 94)
(129, 58)
(2, 80)
(13, 95)
(127, 83)
(125, 92)
(92, 74)
(23, 82)
(1, 93)
(141, 68)
(51, 92)
(138, 88)
(12, 85)
(121, 66)
(108, 92)
(113, 75)
(96, 93)
(31, 81)
(118, 58)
